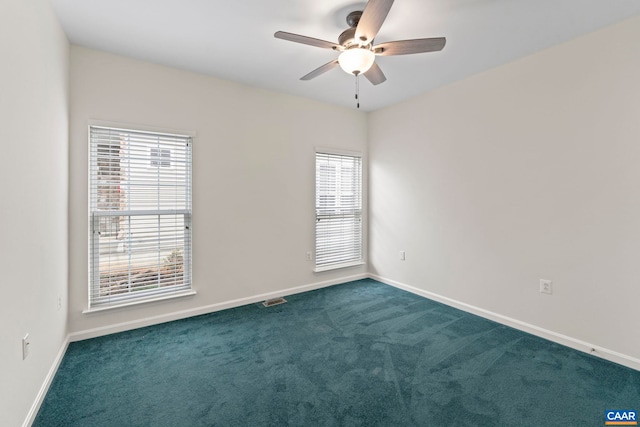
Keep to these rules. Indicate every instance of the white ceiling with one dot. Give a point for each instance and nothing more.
(234, 40)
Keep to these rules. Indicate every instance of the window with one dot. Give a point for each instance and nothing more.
(338, 210)
(140, 215)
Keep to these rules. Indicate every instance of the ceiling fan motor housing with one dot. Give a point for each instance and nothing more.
(348, 40)
(348, 37)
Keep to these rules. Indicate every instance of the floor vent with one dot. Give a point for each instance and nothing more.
(273, 301)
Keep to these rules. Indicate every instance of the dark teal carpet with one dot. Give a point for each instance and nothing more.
(358, 354)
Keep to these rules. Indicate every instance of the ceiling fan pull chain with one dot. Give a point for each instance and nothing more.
(357, 91)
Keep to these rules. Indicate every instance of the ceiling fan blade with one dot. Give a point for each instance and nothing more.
(306, 40)
(375, 75)
(406, 47)
(373, 15)
(321, 70)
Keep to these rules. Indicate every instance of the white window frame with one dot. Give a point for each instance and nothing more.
(181, 213)
(340, 244)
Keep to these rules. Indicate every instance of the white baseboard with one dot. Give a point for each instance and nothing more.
(565, 340)
(31, 416)
(177, 315)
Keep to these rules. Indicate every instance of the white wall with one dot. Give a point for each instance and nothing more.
(253, 179)
(527, 171)
(33, 208)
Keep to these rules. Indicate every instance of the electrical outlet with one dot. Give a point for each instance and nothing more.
(26, 342)
(402, 256)
(546, 286)
(309, 256)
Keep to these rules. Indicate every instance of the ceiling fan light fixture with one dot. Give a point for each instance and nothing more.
(356, 60)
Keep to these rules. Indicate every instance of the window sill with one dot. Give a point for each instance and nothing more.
(106, 307)
(337, 266)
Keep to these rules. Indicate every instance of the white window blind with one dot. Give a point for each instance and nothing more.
(140, 215)
(338, 210)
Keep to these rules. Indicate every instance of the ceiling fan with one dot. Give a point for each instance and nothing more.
(356, 44)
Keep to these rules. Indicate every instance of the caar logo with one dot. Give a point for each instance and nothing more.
(620, 417)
